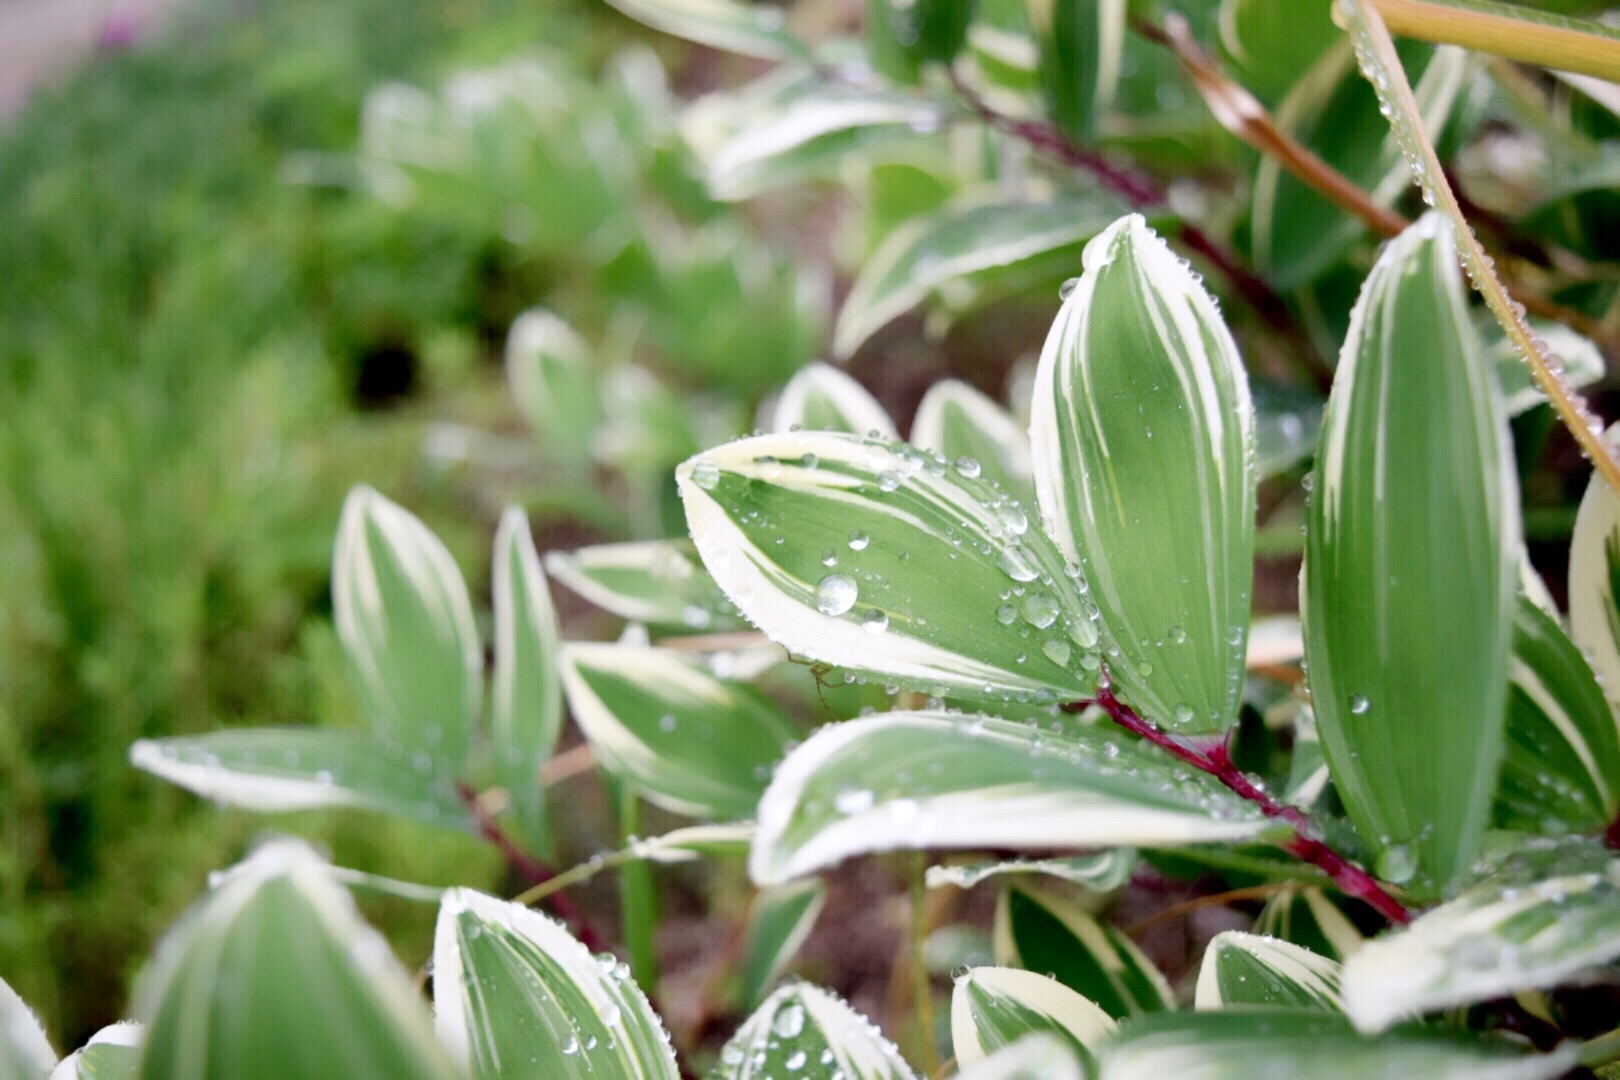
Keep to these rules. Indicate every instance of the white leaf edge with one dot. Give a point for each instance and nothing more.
(1317, 974)
(124, 1033)
(860, 409)
(1043, 994)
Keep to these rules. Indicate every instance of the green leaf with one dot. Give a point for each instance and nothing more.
(656, 582)
(548, 367)
(882, 558)
(918, 780)
(113, 1053)
(803, 1025)
(1306, 917)
(25, 1052)
(1247, 969)
(995, 1007)
(1594, 579)
(822, 398)
(1103, 872)
(1561, 771)
(1002, 45)
(1080, 43)
(1269, 44)
(685, 740)
(1410, 568)
(750, 29)
(525, 710)
(273, 975)
(1144, 461)
(403, 614)
(1240, 1044)
(902, 35)
(1044, 933)
(1297, 233)
(956, 421)
(1029, 242)
(1583, 361)
(284, 769)
(1549, 914)
(779, 921)
(515, 995)
(1041, 1056)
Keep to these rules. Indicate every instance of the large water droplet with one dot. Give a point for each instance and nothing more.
(835, 594)
(789, 1023)
(705, 474)
(1397, 863)
(968, 467)
(875, 621)
(1040, 610)
(858, 540)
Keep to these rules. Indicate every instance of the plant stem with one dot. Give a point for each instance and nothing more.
(921, 986)
(1601, 1051)
(638, 899)
(1586, 48)
(1216, 760)
(1611, 837)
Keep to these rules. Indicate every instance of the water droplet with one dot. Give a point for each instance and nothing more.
(789, 1023)
(610, 1014)
(875, 621)
(571, 1047)
(858, 540)
(1397, 863)
(1057, 651)
(968, 467)
(1015, 563)
(853, 801)
(1066, 290)
(888, 481)
(1359, 705)
(835, 594)
(1040, 610)
(705, 474)
(667, 723)
(1177, 635)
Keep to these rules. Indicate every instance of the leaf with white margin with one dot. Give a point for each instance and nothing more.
(1411, 563)
(1144, 462)
(404, 617)
(685, 740)
(274, 974)
(658, 582)
(696, 842)
(277, 770)
(113, 1053)
(822, 398)
(525, 709)
(25, 1052)
(1042, 932)
(1561, 770)
(803, 1027)
(1235, 1044)
(516, 995)
(1041, 1056)
(881, 558)
(548, 367)
(1548, 914)
(1081, 43)
(750, 29)
(1306, 917)
(920, 780)
(1249, 969)
(956, 421)
(779, 920)
(1594, 578)
(1103, 872)
(1031, 241)
(995, 1007)
(1583, 361)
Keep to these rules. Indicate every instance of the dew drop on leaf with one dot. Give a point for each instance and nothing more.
(835, 594)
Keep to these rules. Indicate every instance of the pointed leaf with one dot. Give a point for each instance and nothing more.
(884, 559)
(548, 367)
(1247, 969)
(286, 769)
(25, 1052)
(403, 614)
(956, 421)
(658, 582)
(1044, 933)
(1269, 44)
(995, 1007)
(1410, 566)
(779, 921)
(1040, 1056)
(1274, 1042)
(113, 1053)
(803, 1026)
(938, 780)
(1594, 579)
(687, 741)
(751, 29)
(1547, 915)
(273, 975)
(516, 996)
(822, 398)
(1144, 462)
(1102, 872)
(1031, 241)
(525, 712)
(1306, 917)
(1080, 42)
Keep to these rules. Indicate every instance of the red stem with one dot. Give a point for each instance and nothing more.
(1612, 836)
(535, 872)
(1216, 760)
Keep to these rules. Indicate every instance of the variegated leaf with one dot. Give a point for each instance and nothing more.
(822, 398)
(1081, 43)
(1548, 914)
(804, 1027)
(516, 995)
(548, 367)
(1102, 872)
(1045, 933)
(779, 920)
(686, 741)
(882, 558)
(657, 582)
(995, 1007)
(404, 616)
(751, 29)
(25, 1052)
(938, 780)
(1144, 462)
(1594, 579)
(1241, 969)
(956, 421)
(1410, 568)
(1306, 917)
(1040, 1056)
(113, 1053)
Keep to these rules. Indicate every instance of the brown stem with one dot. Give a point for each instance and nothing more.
(537, 873)
(1213, 758)
(1612, 836)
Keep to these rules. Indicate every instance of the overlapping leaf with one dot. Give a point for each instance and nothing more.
(1080, 43)
(1594, 579)
(1241, 969)
(1269, 44)
(1040, 1056)
(995, 1007)
(937, 780)
(548, 367)
(956, 421)
(1144, 462)
(1306, 917)
(779, 921)
(656, 582)
(822, 398)
(113, 1053)
(805, 1027)
(1102, 872)
(516, 996)
(25, 1052)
